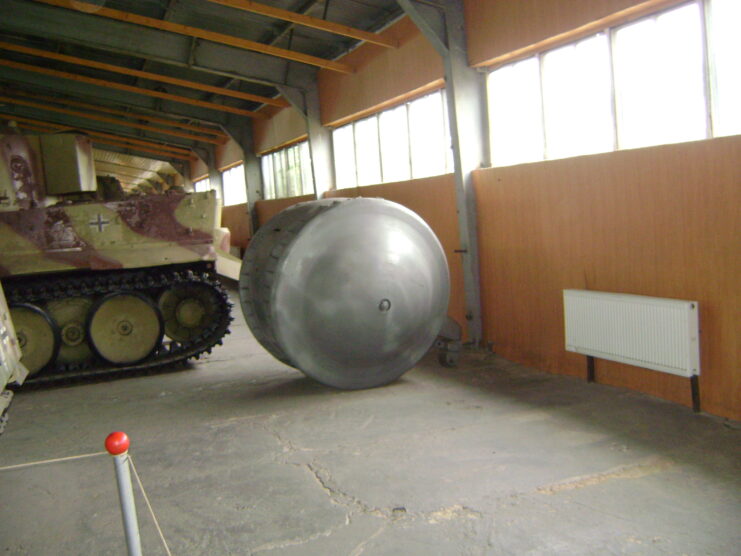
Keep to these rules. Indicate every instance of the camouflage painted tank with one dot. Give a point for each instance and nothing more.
(98, 282)
(12, 371)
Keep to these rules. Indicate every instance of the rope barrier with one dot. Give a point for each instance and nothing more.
(151, 511)
(55, 460)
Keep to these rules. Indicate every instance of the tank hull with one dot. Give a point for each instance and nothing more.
(135, 233)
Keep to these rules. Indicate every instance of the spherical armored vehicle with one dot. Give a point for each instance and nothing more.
(99, 282)
(352, 292)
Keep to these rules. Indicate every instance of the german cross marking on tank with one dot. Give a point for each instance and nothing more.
(99, 222)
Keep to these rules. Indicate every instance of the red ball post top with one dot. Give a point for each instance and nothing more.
(117, 443)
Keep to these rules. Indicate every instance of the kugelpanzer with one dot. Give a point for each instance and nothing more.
(96, 281)
(352, 292)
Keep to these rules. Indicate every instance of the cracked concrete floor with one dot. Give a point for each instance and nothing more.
(242, 455)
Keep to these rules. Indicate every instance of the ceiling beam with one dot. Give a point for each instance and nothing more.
(128, 178)
(160, 148)
(130, 88)
(105, 119)
(128, 114)
(308, 21)
(46, 128)
(142, 74)
(100, 167)
(36, 82)
(124, 168)
(198, 33)
(31, 19)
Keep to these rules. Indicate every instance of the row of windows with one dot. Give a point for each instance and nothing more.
(406, 142)
(667, 78)
(409, 141)
(287, 172)
(234, 186)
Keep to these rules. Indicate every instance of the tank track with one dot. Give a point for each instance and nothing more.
(149, 282)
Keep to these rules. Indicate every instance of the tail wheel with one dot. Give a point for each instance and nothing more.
(38, 336)
(71, 314)
(188, 310)
(124, 328)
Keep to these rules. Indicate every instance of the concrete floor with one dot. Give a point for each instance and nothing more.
(242, 455)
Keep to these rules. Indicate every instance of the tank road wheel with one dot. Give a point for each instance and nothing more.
(37, 334)
(70, 314)
(188, 310)
(124, 328)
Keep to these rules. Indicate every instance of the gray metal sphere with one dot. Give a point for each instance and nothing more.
(352, 292)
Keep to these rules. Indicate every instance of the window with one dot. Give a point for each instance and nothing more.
(235, 187)
(724, 46)
(202, 185)
(515, 113)
(394, 135)
(640, 84)
(577, 99)
(367, 152)
(287, 172)
(659, 84)
(410, 141)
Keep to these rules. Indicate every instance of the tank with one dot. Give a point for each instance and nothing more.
(98, 281)
(12, 371)
(353, 292)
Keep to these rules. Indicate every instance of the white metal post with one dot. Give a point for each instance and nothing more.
(117, 445)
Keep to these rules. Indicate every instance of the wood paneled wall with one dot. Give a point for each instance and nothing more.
(496, 27)
(266, 209)
(433, 199)
(662, 221)
(237, 219)
(381, 74)
(283, 126)
(228, 154)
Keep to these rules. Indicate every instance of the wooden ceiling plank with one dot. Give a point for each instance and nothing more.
(142, 74)
(104, 135)
(245, 44)
(135, 115)
(308, 21)
(105, 119)
(47, 128)
(128, 114)
(130, 88)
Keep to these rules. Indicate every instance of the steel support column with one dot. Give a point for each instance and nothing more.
(444, 26)
(320, 138)
(214, 176)
(241, 132)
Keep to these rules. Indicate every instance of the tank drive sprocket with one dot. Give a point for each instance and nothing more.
(187, 310)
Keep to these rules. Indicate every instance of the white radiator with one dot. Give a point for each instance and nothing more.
(651, 332)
